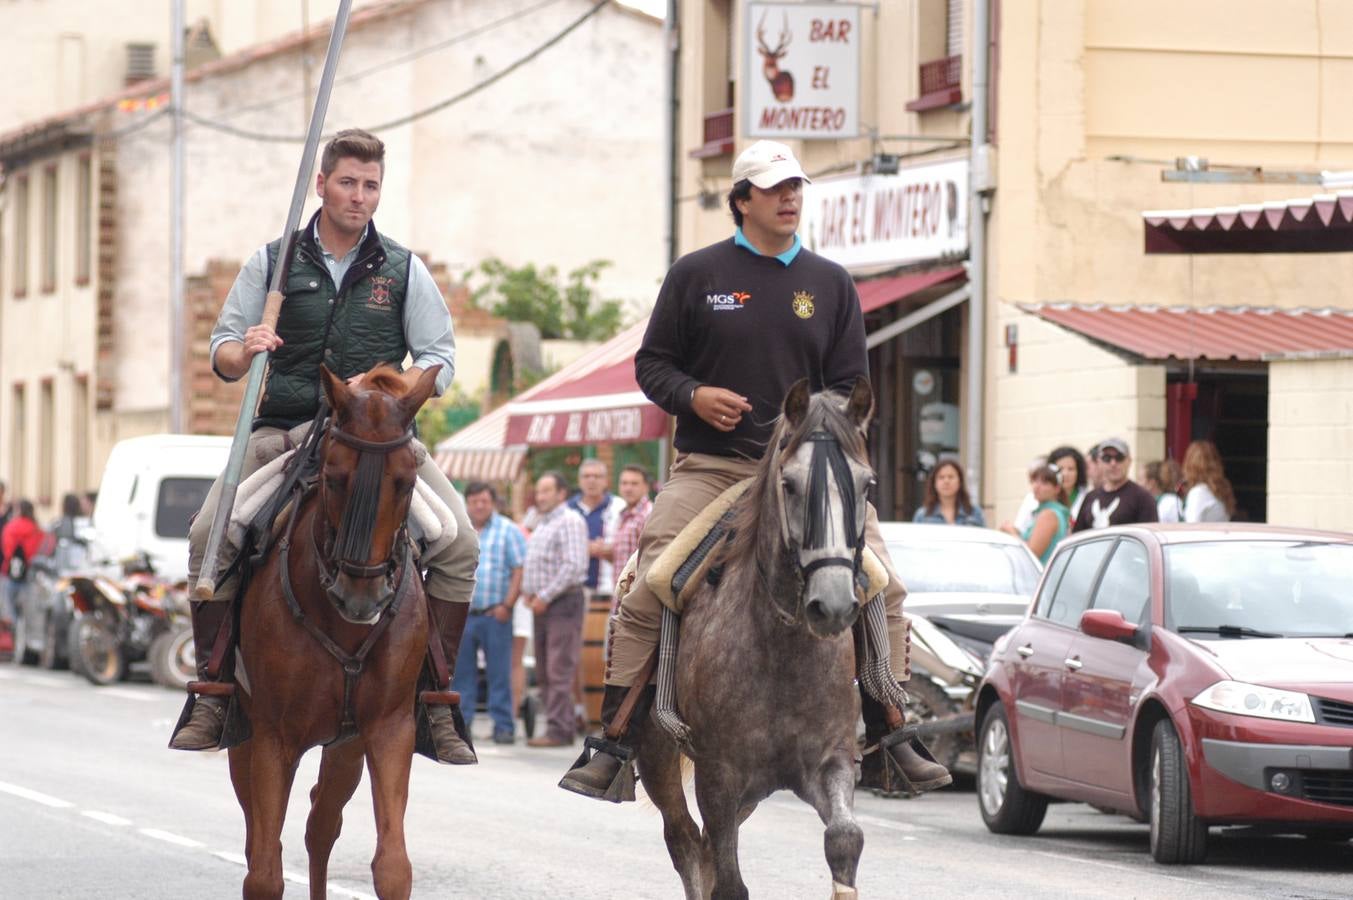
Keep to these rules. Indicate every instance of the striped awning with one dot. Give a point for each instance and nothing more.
(593, 399)
(1319, 224)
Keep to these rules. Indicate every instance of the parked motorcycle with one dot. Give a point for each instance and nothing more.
(121, 621)
(948, 659)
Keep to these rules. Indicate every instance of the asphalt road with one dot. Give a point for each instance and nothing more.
(92, 805)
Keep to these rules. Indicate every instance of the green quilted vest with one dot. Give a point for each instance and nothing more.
(348, 327)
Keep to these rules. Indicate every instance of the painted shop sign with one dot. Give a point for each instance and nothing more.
(803, 70)
(919, 214)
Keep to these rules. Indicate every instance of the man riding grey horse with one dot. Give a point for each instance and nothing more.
(354, 298)
(735, 325)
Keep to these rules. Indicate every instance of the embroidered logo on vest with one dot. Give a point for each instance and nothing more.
(380, 291)
(803, 304)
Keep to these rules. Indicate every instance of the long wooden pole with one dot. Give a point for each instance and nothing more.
(230, 481)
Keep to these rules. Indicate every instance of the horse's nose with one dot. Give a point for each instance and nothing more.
(827, 615)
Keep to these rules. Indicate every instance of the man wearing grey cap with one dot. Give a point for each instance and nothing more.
(1118, 500)
(735, 325)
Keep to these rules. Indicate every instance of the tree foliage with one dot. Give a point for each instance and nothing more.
(571, 308)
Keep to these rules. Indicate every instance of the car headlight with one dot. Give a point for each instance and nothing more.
(1242, 699)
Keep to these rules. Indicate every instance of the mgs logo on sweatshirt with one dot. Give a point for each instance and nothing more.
(730, 300)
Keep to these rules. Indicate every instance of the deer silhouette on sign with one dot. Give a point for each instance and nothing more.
(781, 83)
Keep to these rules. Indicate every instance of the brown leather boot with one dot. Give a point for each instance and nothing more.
(450, 622)
(913, 761)
(203, 729)
(595, 777)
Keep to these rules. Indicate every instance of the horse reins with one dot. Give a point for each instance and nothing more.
(352, 663)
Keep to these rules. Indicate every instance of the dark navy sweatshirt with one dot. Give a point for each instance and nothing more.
(727, 317)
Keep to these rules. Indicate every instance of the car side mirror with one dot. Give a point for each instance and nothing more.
(1108, 624)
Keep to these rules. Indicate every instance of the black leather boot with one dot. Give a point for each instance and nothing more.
(450, 746)
(597, 777)
(909, 769)
(203, 729)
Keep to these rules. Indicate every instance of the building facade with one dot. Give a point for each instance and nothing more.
(519, 170)
(1090, 104)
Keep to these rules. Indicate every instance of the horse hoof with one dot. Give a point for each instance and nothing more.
(844, 892)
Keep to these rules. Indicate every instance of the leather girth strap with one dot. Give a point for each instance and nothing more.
(352, 663)
(616, 730)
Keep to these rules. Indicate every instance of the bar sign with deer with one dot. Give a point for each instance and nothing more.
(802, 77)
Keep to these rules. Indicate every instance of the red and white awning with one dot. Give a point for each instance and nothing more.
(1319, 224)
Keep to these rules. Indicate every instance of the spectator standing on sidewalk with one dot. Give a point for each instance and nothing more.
(1161, 478)
(1210, 497)
(1051, 520)
(552, 583)
(1119, 500)
(502, 552)
(946, 498)
(635, 484)
(20, 541)
(600, 509)
(1071, 464)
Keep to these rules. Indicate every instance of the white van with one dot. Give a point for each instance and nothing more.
(151, 488)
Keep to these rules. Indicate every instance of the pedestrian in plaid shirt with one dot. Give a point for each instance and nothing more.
(634, 487)
(552, 584)
(502, 552)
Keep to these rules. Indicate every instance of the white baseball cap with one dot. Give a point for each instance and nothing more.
(766, 164)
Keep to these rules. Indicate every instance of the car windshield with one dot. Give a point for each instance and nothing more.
(944, 567)
(1255, 589)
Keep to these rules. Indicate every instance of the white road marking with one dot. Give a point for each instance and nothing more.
(1135, 870)
(169, 837)
(878, 822)
(105, 818)
(128, 694)
(36, 797)
(295, 877)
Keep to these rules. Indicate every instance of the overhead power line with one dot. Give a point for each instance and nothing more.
(398, 60)
(248, 134)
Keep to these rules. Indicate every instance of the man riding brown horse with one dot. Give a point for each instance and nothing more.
(734, 327)
(354, 299)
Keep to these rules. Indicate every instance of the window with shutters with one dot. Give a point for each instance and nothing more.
(49, 217)
(21, 236)
(720, 81)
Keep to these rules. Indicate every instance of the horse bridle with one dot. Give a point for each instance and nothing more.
(855, 563)
(334, 552)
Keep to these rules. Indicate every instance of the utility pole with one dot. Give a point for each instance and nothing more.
(176, 337)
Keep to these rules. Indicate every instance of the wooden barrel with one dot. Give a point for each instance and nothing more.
(594, 657)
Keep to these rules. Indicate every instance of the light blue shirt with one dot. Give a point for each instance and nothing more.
(786, 258)
(427, 324)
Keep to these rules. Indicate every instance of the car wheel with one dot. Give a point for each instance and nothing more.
(173, 662)
(1177, 834)
(23, 655)
(52, 655)
(100, 652)
(926, 702)
(1007, 808)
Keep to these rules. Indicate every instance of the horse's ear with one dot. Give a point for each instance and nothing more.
(796, 402)
(860, 403)
(335, 389)
(422, 389)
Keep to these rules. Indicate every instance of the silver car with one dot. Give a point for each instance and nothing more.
(966, 587)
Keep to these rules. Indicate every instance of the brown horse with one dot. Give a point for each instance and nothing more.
(766, 659)
(340, 596)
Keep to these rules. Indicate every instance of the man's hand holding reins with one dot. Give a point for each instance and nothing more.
(718, 407)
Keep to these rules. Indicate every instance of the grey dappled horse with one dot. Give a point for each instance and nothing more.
(766, 659)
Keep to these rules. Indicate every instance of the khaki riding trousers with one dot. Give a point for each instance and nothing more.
(695, 481)
(450, 573)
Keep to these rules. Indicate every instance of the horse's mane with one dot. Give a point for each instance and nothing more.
(826, 412)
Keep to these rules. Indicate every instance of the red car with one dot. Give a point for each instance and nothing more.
(1186, 675)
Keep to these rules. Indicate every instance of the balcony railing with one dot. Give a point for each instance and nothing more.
(718, 135)
(941, 84)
